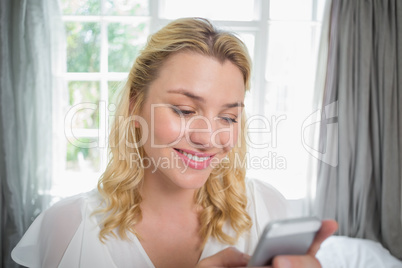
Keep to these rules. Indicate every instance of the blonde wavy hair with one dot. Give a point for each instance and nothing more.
(222, 198)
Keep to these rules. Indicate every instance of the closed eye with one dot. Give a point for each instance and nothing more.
(181, 112)
(229, 119)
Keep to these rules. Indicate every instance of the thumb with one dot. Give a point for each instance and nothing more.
(328, 227)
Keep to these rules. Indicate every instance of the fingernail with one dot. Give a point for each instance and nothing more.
(283, 263)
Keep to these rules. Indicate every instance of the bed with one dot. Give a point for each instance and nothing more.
(345, 252)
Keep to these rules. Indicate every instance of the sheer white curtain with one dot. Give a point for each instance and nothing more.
(313, 122)
(30, 32)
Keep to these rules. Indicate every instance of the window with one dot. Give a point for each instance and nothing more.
(104, 36)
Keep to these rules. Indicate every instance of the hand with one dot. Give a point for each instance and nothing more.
(309, 260)
(229, 257)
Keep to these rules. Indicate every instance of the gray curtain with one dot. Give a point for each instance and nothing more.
(362, 189)
(27, 47)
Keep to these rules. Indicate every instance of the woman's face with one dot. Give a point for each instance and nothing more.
(191, 118)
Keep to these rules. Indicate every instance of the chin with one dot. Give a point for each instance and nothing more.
(192, 179)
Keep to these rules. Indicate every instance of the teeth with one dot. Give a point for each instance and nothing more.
(194, 157)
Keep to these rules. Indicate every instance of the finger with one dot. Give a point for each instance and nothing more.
(295, 262)
(229, 257)
(233, 257)
(327, 229)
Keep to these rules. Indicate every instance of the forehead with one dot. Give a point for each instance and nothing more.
(202, 75)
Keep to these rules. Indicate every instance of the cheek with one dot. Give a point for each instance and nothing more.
(228, 137)
(167, 127)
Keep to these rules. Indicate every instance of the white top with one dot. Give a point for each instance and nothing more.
(66, 235)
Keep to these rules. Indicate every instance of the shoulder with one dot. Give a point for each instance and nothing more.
(265, 202)
(48, 237)
(68, 213)
(73, 205)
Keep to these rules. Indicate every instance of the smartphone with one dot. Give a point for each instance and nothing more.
(285, 237)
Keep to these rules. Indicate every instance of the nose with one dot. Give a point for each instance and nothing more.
(199, 132)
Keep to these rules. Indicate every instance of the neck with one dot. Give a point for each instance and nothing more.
(163, 196)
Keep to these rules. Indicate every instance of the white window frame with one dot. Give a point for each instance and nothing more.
(259, 27)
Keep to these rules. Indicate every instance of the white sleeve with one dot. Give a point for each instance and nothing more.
(266, 203)
(46, 240)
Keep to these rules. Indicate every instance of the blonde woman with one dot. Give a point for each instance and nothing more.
(174, 193)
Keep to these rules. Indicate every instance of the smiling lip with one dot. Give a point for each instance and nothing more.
(193, 159)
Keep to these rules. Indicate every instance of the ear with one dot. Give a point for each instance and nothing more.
(131, 112)
(136, 124)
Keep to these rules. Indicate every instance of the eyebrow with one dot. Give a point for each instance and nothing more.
(201, 99)
(187, 94)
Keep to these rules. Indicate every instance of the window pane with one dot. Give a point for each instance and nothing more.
(290, 9)
(81, 158)
(242, 10)
(81, 7)
(83, 46)
(289, 52)
(320, 9)
(290, 67)
(71, 182)
(249, 40)
(288, 95)
(125, 41)
(127, 7)
(114, 88)
(276, 98)
(84, 99)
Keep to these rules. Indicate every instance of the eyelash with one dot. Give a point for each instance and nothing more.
(229, 120)
(182, 112)
(178, 111)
